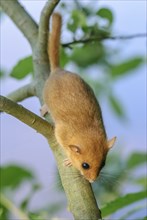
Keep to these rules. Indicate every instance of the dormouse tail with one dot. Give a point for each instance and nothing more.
(54, 41)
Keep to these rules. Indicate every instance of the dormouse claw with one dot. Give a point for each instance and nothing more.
(67, 162)
(43, 110)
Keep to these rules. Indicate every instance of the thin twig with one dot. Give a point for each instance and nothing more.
(127, 37)
(26, 116)
(100, 38)
(40, 56)
(12, 208)
(22, 93)
(79, 194)
(22, 19)
(44, 27)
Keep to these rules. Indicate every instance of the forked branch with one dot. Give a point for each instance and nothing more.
(44, 27)
(22, 93)
(80, 196)
(22, 19)
(26, 116)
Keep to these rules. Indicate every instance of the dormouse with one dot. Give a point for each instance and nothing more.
(76, 113)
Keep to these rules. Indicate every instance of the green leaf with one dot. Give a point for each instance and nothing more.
(95, 32)
(2, 73)
(128, 65)
(121, 202)
(34, 216)
(24, 204)
(64, 57)
(43, 214)
(136, 159)
(77, 20)
(87, 55)
(133, 211)
(22, 68)
(12, 176)
(3, 212)
(106, 14)
(142, 181)
(116, 106)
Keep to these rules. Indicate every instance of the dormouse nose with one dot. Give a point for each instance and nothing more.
(91, 180)
(90, 176)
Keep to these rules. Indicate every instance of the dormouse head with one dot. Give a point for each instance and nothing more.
(90, 159)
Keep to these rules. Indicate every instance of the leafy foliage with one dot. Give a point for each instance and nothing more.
(78, 19)
(12, 176)
(121, 202)
(112, 180)
(108, 190)
(136, 159)
(125, 67)
(2, 73)
(116, 106)
(95, 54)
(85, 56)
(88, 54)
(3, 212)
(106, 14)
(22, 68)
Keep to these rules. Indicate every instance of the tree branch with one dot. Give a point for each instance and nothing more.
(22, 19)
(81, 201)
(100, 38)
(26, 116)
(40, 55)
(80, 196)
(44, 27)
(22, 93)
(12, 208)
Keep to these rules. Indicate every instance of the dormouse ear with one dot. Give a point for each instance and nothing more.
(75, 148)
(111, 142)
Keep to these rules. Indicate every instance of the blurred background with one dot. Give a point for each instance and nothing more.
(116, 69)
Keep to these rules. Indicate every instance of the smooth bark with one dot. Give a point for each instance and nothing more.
(81, 200)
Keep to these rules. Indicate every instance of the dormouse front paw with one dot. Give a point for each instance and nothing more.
(67, 162)
(43, 110)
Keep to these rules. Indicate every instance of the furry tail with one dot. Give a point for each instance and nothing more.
(54, 41)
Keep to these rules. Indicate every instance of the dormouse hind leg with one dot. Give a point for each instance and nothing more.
(44, 110)
(67, 162)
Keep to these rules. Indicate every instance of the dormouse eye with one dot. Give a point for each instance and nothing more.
(85, 166)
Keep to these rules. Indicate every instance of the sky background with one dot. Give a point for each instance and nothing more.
(20, 144)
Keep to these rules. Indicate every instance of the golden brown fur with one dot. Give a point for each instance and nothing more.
(54, 41)
(79, 127)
